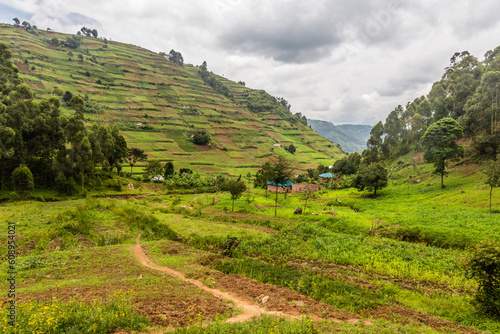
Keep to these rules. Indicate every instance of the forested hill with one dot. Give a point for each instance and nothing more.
(350, 137)
(468, 91)
(173, 111)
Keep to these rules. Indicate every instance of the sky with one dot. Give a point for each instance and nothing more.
(347, 62)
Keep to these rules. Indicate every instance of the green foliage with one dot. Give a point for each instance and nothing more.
(67, 96)
(23, 180)
(348, 165)
(72, 42)
(230, 246)
(201, 138)
(176, 57)
(484, 267)
(153, 168)
(236, 188)
(134, 155)
(334, 292)
(371, 177)
(151, 227)
(76, 317)
(77, 103)
(169, 170)
(290, 148)
(212, 80)
(493, 174)
(440, 144)
(66, 186)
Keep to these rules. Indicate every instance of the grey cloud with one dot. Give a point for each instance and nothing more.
(295, 31)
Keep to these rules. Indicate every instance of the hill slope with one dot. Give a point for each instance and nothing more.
(158, 105)
(351, 137)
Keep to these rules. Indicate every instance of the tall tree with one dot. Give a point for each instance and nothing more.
(371, 178)
(440, 144)
(134, 155)
(493, 174)
(169, 170)
(374, 144)
(280, 173)
(236, 188)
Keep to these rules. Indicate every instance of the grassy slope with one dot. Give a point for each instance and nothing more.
(139, 86)
(334, 260)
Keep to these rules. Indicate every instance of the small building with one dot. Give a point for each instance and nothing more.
(326, 177)
(280, 188)
(139, 124)
(277, 145)
(302, 188)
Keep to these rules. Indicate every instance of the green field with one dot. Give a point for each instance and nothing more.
(395, 261)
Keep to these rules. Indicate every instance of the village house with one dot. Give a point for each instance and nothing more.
(326, 177)
(280, 188)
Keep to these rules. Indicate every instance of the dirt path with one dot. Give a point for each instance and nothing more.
(246, 305)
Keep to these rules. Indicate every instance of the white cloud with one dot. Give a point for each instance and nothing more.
(345, 62)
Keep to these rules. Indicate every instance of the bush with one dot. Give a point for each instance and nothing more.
(23, 180)
(201, 138)
(484, 267)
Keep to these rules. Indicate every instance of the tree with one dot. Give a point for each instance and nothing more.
(348, 165)
(371, 177)
(201, 138)
(236, 188)
(77, 103)
(67, 96)
(72, 42)
(374, 144)
(279, 173)
(82, 155)
(134, 155)
(493, 173)
(169, 170)
(16, 21)
(153, 168)
(440, 144)
(23, 180)
(290, 149)
(176, 57)
(484, 267)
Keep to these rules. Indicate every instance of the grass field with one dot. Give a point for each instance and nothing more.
(395, 260)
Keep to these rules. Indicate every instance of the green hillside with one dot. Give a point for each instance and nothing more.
(158, 105)
(351, 137)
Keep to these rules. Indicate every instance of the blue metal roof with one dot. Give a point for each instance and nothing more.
(287, 184)
(327, 175)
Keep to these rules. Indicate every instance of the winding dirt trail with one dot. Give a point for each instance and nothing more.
(246, 305)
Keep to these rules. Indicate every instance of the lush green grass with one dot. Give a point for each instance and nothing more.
(334, 259)
(272, 324)
(75, 317)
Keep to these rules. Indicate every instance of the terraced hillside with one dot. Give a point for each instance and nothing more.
(158, 105)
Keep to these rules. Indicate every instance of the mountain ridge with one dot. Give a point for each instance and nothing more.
(350, 137)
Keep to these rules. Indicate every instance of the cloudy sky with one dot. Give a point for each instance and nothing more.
(341, 61)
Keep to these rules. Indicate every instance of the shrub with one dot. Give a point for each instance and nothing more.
(484, 267)
(23, 180)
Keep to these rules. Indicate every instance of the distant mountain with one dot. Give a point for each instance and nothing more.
(350, 137)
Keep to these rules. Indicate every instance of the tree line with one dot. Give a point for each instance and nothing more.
(57, 150)
(468, 92)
